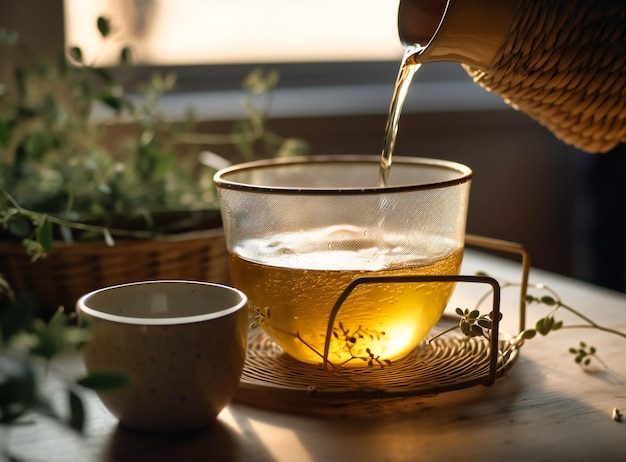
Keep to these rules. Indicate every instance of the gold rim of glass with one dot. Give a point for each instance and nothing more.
(460, 174)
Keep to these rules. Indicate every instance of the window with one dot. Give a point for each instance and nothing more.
(346, 53)
(188, 32)
(217, 42)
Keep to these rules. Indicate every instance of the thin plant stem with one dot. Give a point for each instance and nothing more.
(559, 304)
(74, 224)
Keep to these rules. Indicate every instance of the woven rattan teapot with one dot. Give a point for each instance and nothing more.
(563, 62)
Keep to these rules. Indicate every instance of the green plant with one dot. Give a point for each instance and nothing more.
(27, 344)
(64, 176)
(584, 353)
(356, 351)
(472, 323)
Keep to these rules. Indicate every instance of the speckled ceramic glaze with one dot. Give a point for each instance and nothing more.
(182, 344)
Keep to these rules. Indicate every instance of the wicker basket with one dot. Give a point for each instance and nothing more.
(564, 64)
(71, 270)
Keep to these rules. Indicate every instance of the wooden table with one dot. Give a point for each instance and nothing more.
(547, 408)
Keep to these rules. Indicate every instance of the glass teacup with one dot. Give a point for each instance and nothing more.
(299, 230)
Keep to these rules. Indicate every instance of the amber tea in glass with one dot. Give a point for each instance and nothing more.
(299, 230)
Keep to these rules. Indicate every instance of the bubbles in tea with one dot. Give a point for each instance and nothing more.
(294, 279)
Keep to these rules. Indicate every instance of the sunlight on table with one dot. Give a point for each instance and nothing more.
(281, 443)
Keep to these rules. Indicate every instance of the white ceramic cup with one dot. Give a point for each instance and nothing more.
(181, 343)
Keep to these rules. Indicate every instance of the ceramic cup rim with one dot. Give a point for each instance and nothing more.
(82, 305)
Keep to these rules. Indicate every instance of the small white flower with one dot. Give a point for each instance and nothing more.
(616, 415)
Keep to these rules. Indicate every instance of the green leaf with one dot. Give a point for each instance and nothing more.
(500, 316)
(486, 323)
(77, 412)
(16, 315)
(50, 336)
(258, 83)
(292, 147)
(34, 249)
(45, 236)
(19, 226)
(76, 53)
(529, 333)
(18, 391)
(105, 380)
(459, 311)
(104, 26)
(7, 38)
(476, 330)
(243, 137)
(19, 74)
(104, 74)
(125, 56)
(530, 298)
(114, 102)
(543, 326)
(539, 326)
(547, 300)
(5, 133)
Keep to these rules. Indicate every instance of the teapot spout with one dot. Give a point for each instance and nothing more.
(466, 31)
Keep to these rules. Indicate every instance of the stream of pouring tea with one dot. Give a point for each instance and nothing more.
(408, 68)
